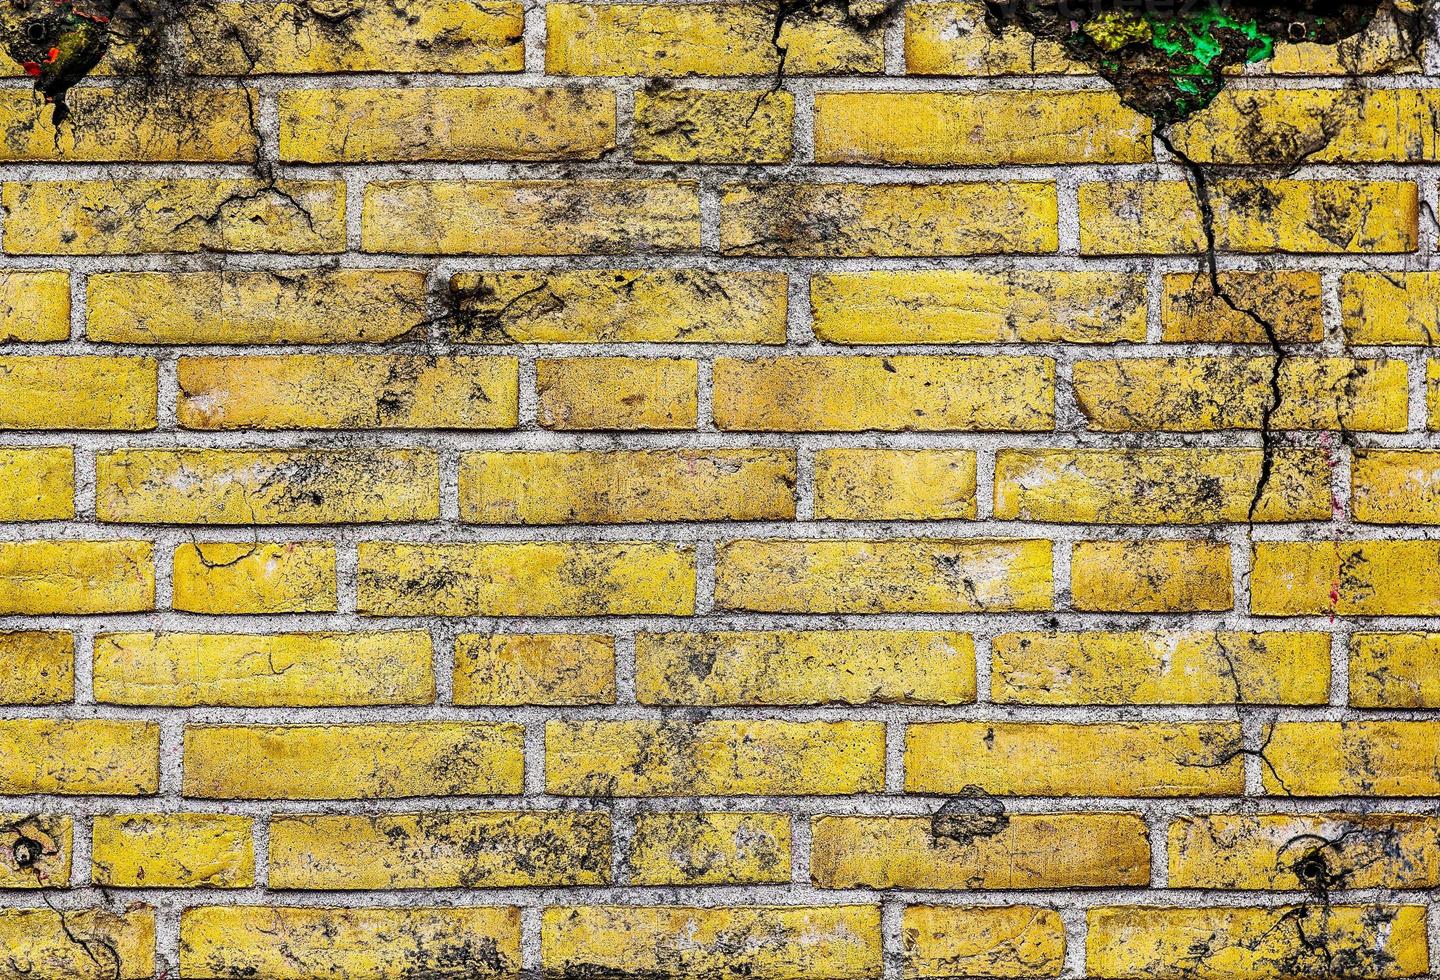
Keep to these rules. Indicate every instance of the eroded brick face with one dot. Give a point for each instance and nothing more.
(606, 490)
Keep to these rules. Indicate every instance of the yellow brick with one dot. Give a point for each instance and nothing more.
(714, 758)
(103, 393)
(937, 129)
(1394, 670)
(1295, 851)
(530, 217)
(299, 943)
(1257, 943)
(527, 579)
(35, 850)
(124, 217)
(932, 575)
(700, 126)
(627, 486)
(1395, 487)
(1381, 48)
(461, 36)
(546, 668)
(1289, 301)
(222, 578)
(1346, 578)
(1432, 395)
(1159, 486)
(78, 757)
(1023, 850)
(832, 393)
(37, 668)
(796, 667)
(964, 306)
(1391, 307)
(220, 486)
(994, 941)
(894, 484)
(440, 849)
(39, 578)
(1053, 759)
(173, 850)
(34, 306)
(621, 39)
(1200, 394)
(363, 761)
(38, 484)
(80, 944)
(629, 393)
(282, 306)
(690, 848)
(835, 942)
(1151, 576)
(125, 125)
(1326, 216)
(841, 220)
(459, 124)
(285, 670)
(322, 391)
(953, 38)
(618, 306)
(1160, 668)
(1353, 758)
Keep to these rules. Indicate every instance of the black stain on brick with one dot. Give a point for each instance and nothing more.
(970, 814)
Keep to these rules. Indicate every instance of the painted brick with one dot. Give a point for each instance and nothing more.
(173, 850)
(1353, 758)
(952, 38)
(55, 945)
(101, 393)
(1394, 670)
(992, 941)
(624, 393)
(1390, 307)
(79, 757)
(1346, 578)
(693, 848)
(123, 126)
(1290, 301)
(706, 126)
(1395, 487)
(221, 578)
(39, 667)
(546, 668)
(894, 484)
(35, 851)
(1151, 576)
(39, 578)
(34, 306)
(39, 484)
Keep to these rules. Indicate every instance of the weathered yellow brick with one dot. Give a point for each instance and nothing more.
(35, 850)
(627, 486)
(1382, 47)
(1391, 307)
(440, 849)
(1353, 758)
(222, 486)
(80, 944)
(1346, 578)
(545, 668)
(34, 306)
(122, 125)
(708, 126)
(280, 306)
(1222, 667)
(1151, 576)
(832, 393)
(285, 670)
(79, 757)
(965, 306)
(1394, 670)
(714, 758)
(931, 575)
(222, 578)
(1256, 943)
(619, 305)
(527, 579)
(1199, 394)
(937, 129)
(834, 942)
(125, 217)
(323, 391)
(39, 578)
(1326, 216)
(530, 217)
(173, 850)
(953, 38)
(37, 484)
(991, 941)
(620, 39)
(793, 667)
(53, 392)
(691, 848)
(298, 943)
(894, 484)
(824, 220)
(1288, 300)
(1432, 395)
(1316, 852)
(358, 761)
(1054, 759)
(1395, 486)
(627, 393)
(37, 668)
(459, 124)
(464, 36)
(980, 849)
(1160, 486)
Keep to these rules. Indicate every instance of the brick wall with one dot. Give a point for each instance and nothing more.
(478, 502)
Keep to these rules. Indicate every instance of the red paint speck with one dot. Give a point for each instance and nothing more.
(32, 68)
